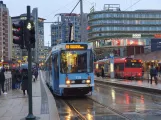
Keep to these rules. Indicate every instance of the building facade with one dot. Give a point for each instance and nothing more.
(40, 44)
(5, 34)
(39, 36)
(60, 29)
(124, 33)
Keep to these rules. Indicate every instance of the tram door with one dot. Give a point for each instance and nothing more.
(56, 71)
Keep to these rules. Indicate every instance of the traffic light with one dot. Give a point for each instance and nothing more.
(18, 34)
(30, 33)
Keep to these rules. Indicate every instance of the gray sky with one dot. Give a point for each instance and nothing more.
(48, 8)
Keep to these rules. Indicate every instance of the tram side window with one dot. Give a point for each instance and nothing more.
(50, 63)
(91, 61)
(56, 67)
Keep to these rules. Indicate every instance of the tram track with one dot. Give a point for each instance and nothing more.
(75, 110)
(111, 109)
(60, 101)
(100, 104)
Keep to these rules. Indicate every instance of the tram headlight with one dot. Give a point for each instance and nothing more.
(88, 81)
(68, 82)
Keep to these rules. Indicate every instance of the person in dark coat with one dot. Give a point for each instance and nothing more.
(18, 79)
(102, 72)
(24, 84)
(13, 78)
(2, 79)
(35, 74)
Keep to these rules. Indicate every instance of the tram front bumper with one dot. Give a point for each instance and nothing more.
(76, 86)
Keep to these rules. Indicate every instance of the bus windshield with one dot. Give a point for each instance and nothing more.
(129, 64)
(76, 61)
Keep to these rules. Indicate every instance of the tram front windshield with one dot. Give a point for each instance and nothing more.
(76, 61)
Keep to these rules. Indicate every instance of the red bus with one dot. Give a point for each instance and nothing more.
(123, 67)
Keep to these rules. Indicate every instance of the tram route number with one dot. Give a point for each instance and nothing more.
(78, 77)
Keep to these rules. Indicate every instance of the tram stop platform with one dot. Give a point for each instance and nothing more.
(14, 105)
(141, 85)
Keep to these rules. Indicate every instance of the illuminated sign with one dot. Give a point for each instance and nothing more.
(76, 47)
(133, 60)
(157, 35)
(136, 35)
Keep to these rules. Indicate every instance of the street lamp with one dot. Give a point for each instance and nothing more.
(112, 75)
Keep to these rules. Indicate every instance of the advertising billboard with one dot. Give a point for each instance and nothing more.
(155, 45)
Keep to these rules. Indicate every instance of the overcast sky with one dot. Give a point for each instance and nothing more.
(48, 8)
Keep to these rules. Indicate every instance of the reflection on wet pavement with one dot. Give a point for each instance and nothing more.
(89, 109)
(65, 112)
(92, 110)
(134, 105)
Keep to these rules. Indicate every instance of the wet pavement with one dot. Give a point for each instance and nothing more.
(141, 83)
(134, 105)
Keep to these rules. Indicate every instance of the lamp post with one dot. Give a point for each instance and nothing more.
(112, 75)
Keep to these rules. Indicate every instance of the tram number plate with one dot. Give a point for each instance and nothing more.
(78, 77)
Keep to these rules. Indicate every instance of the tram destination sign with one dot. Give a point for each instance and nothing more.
(155, 45)
(76, 46)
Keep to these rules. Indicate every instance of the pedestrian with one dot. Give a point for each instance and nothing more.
(153, 74)
(13, 72)
(2, 80)
(24, 85)
(159, 71)
(102, 72)
(35, 74)
(18, 79)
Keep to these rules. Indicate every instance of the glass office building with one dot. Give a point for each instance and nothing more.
(120, 30)
(60, 29)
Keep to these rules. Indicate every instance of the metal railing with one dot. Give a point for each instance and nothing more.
(7, 85)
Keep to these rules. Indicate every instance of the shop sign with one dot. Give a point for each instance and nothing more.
(157, 35)
(134, 42)
(136, 35)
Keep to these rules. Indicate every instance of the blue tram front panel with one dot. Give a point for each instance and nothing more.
(76, 84)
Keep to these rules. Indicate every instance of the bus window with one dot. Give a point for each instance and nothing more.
(106, 67)
(130, 64)
(119, 66)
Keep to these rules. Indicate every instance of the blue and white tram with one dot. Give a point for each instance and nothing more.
(69, 69)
